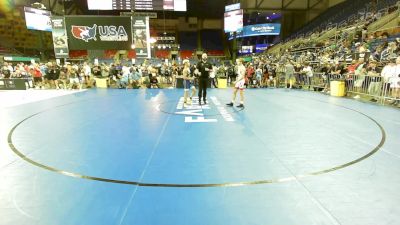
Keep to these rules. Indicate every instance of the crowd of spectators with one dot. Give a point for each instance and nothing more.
(367, 61)
(118, 75)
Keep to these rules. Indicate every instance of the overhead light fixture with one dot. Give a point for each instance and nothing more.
(152, 40)
(38, 5)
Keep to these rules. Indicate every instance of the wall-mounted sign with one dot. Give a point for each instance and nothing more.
(106, 32)
(258, 30)
(232, 7)
(151, 15)
(141, 36)
(165, 38)
(60, 38)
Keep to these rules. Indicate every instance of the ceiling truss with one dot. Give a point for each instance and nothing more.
(283, 5)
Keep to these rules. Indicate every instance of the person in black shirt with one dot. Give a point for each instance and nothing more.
(53, 73)
(231, 74)
(204, 68)
(154, 82)
(97, 72)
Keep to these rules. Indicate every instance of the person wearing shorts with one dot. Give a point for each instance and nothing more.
(187, 82)
(73, 76)
(259, 75)
(239, 84)
(37, 77)
(53, 73)
(289, 74)
(63, 79)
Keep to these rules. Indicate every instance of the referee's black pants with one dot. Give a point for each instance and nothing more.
(203, 82)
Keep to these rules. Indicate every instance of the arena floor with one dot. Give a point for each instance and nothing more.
(140, 157)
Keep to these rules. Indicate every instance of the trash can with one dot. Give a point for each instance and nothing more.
(101, 82)
(222, 83)
(338, 88)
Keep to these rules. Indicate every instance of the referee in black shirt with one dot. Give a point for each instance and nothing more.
(204, 68)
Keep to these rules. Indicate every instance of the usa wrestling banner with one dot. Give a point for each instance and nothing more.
(95, 33)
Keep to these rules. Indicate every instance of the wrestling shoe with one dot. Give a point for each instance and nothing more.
(230, 104)
(240, 106)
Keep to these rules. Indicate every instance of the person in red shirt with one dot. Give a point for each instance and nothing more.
(37, 77)
(250, 74)
(352, 67)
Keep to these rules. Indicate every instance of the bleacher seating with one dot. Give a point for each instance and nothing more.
(215, 53)
(162, 54)
(186, 54)
(342, 14)
(211, 40)
(8, 51)
(18, 38)
(188, 40)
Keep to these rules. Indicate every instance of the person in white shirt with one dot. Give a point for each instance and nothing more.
(10, 68)
(87, 71)
(213, 74)
(239, 84)
(395, 83)
(123, 82)
(307, 70)
(390, 74)
(259, 74)
(125, 70)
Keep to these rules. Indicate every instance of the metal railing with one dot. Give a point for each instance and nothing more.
(368, 87)
(377, 88)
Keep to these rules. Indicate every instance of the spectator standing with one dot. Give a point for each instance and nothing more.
(308, 72)
(375, 80)
(86, 73)
(289, 74)
(213, 74)
(5, 71)
(249, 74)
(37, 77)
(259, 76)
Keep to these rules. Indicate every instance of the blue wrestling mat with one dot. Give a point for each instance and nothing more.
(144, 157)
